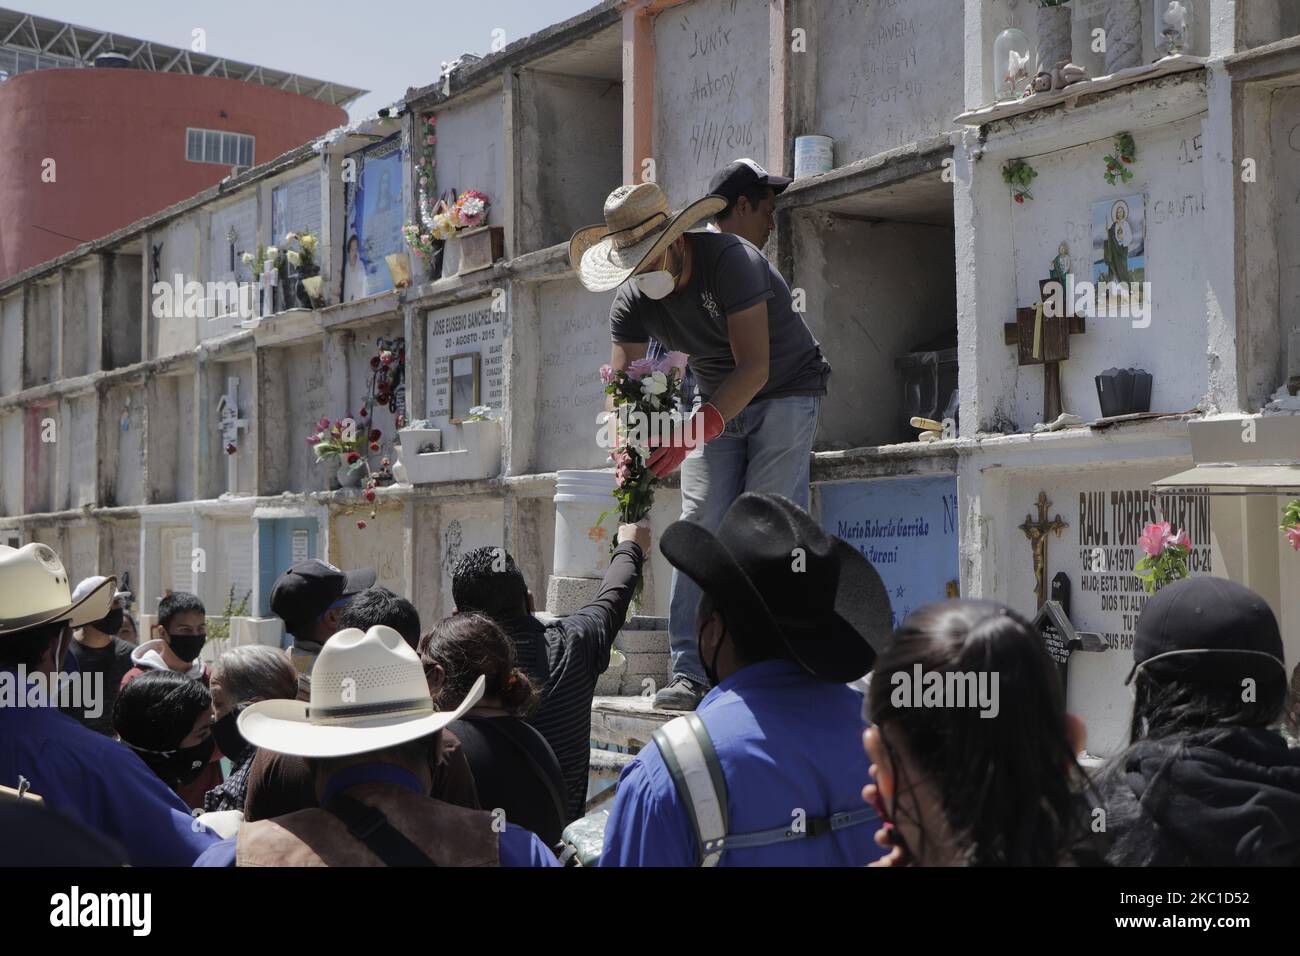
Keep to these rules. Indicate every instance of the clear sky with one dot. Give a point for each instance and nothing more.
(379, 45)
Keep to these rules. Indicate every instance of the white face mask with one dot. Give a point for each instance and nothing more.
(656, 285)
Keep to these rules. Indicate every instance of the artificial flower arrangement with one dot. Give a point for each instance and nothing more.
(387, 374)
(1166, 556)
(1118, 162)
(644, 392)
(304, 257)
(1291, 523)
(447, 218)
(264, 252)
(346, 439)
(479, 413)
(1018, 174)
(423, 236)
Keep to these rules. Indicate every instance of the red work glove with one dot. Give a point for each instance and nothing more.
(704, 426)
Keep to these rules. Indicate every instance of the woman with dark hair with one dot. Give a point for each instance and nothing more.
(166, 718)
(1205, 780)
(973, 753)
(515, 770)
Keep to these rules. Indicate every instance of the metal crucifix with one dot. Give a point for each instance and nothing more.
(1037, 532)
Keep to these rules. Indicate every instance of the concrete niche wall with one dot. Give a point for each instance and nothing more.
(77, 455)
(888, 72)
(40, 424)
(1069, 195)
(711, 89)
(179, 255)
(119, 553)
(471, 150)
(360, 350)
(573, 344)
(875, 291)
(172, 427)
(122, 296)
(11, 344)
(292, 397)
(1286, 161)
(81, 303)
(11, 463)
(122, 423)
(571, 141)
(39, 325)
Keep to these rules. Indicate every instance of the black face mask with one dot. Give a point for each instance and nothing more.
(111, 624)
(226, 733)
(178, 767)
(709, 668)
(186, 646)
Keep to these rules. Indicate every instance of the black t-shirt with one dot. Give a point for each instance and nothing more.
(728, 275)
(515, 770)
(112, 660)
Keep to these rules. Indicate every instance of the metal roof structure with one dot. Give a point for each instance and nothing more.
(29, 42)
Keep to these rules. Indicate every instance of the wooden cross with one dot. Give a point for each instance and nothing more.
(1036, 532)
(230, 423)
(1045, 340)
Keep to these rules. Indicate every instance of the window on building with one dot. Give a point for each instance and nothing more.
(215, 146)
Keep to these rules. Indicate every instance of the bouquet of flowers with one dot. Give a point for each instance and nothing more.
(1166, 556)
(347, 439)
(647, 413)
(470, 209)
(1291, 523)
(304, 257)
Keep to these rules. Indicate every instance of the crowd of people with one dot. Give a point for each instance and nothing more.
(461, 745)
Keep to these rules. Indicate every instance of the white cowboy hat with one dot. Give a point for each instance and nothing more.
(638, 227)
(34, 591)
(368, 692)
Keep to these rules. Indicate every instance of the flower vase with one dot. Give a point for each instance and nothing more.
(301, 294)
(350, 476)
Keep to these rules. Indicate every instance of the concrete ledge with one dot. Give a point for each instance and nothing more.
(626, 721)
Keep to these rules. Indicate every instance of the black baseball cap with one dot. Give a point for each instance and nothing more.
(1205, 620)
(734, 178)
(305, 592)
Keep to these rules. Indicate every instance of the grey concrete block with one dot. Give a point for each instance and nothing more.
(566, 595)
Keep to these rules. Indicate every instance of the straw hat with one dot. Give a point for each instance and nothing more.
(638, 227)
(34, 591)
(368, 692)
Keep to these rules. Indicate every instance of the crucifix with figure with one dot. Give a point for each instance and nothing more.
(1043, 338)
(1037, 532)
(229, 423)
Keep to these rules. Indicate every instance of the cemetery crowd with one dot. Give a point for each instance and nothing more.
(813, 731)
(378, 742)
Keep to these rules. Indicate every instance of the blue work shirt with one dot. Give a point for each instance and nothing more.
(786, 741)
(97, 781)
(515, 845)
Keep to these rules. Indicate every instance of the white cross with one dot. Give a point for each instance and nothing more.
(268, 278)
(230, 423)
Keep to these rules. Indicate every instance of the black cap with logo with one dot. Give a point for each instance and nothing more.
(305, 592)
(734, 178)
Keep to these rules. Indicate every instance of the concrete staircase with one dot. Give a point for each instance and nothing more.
(640, 662)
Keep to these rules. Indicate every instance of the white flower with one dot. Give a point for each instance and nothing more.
(247, 258)
(272, 252)
(656, 383)
(293, 257)
(290, 238)
(472, 206)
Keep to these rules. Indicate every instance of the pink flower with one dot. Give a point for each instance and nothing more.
(430, 139)
(1182, 540)
(641, 368)
(1153, 538)
(606, 374)
(323, 423)
(677, 360)
(1293, 537)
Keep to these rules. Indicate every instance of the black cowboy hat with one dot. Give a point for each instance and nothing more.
(771, 568)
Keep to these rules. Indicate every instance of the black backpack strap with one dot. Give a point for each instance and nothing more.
(548, 781)
(372, 828)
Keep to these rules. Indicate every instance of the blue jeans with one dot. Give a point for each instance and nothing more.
(766, 448)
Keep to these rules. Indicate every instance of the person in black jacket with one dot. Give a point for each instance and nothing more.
(514, 767)
(565, 658)
(1205, 781)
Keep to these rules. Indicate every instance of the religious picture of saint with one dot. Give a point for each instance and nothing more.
(1119, 242)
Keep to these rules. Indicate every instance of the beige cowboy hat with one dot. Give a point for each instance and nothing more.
(368, 692)
(638, 227)
(34, 591)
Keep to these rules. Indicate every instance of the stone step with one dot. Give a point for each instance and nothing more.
(626, 721)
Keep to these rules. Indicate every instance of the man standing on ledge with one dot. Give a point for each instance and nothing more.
(760, 373)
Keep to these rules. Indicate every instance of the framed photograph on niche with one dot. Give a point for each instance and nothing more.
(464, 385)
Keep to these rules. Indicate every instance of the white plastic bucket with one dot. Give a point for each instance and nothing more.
(813, 155)
(581, 546)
